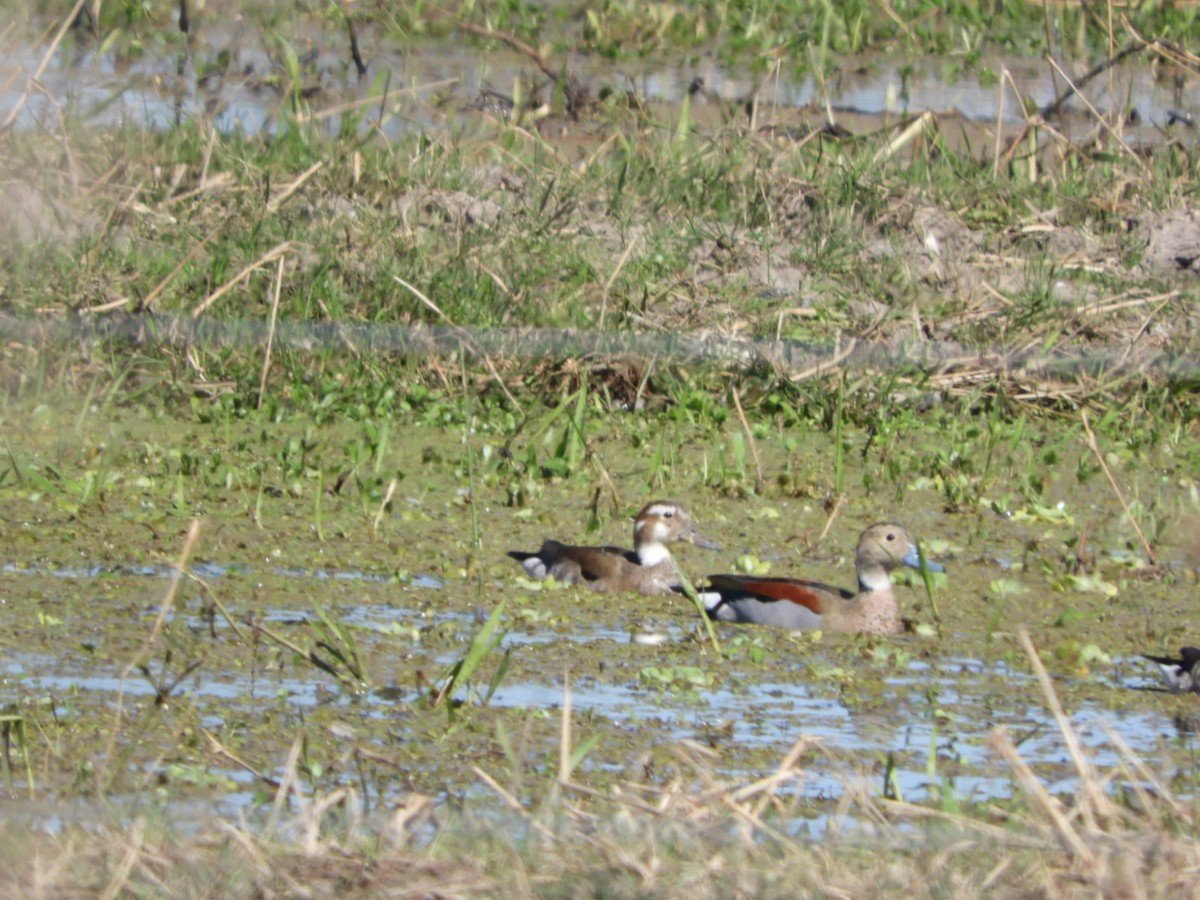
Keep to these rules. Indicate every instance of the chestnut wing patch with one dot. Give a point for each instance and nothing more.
(812, 595)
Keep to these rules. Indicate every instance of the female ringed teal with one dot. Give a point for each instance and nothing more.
(647, 569)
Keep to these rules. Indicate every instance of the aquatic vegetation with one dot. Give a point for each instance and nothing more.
(374, 329)
(460, 673)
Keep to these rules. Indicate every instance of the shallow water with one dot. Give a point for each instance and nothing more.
(931, 714)
(441, 86)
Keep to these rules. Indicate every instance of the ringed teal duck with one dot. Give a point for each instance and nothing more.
(1180, 675)
(806, 605)
(648, 568)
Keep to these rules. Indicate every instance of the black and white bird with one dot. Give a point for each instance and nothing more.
(1182, 674)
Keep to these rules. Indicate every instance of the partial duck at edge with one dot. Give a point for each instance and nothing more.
(1181, 674)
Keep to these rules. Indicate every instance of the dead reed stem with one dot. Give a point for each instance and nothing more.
(1089, 784)
(168, 601)
(1050, 807)
(466, 339)
(174, 273)
(607, 290)
(288, 189)
(270, 256)
(266, 366)
(759, 481)
(1099, 118)
(31, 83)
(1094, 446)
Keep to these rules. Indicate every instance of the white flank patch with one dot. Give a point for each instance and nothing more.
(650, 639)
(535, 566)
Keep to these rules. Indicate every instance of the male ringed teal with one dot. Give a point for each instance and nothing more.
(800, 604)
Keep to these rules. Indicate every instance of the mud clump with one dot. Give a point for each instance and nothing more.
(30, 216)
(1172, 242)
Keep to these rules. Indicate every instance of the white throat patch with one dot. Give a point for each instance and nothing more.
(653, 554)
(874, 581)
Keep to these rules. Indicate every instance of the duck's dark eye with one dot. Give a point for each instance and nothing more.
(891, 536)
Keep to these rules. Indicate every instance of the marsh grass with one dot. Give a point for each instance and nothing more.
(514, 276)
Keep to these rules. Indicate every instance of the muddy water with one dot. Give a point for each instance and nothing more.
(83, 577)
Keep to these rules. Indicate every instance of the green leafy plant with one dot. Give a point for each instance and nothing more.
(459, 674)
